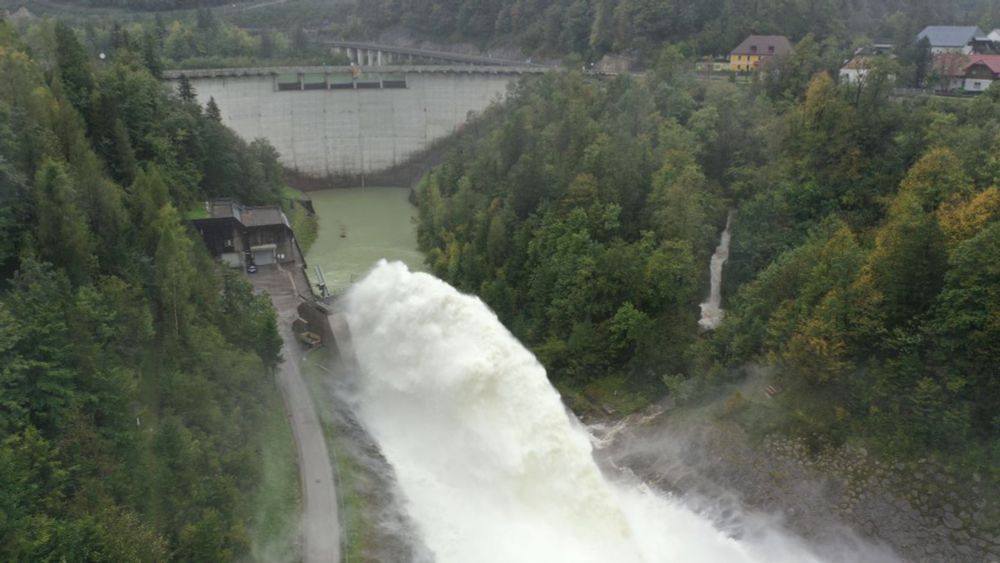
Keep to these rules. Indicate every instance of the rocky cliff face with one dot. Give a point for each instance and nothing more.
(845, 500)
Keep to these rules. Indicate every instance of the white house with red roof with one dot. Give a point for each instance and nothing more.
(981, 72)
(967, 73)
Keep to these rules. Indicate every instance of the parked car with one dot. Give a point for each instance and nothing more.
(251, 268)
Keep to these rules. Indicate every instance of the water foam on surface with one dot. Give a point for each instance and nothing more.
(491, 465)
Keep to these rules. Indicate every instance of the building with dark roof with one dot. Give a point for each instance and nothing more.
(756, 50)
(237, 233)
(950, 38)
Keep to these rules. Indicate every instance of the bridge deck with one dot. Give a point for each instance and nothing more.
(427, 54)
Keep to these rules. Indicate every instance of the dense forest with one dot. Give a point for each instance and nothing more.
(866, 244)
(160, 5)
(242, 33)
(202, 41)
(134, 372)
(594, 27)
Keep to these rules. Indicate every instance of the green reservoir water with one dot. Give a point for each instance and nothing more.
(375, 223)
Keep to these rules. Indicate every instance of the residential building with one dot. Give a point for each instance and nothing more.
(756, 50)
(988, 44)
(966, 73)
(234, 232)
(857, 69)
(950, 38)
(981, 72)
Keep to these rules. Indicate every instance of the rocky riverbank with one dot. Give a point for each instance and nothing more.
(844, 500)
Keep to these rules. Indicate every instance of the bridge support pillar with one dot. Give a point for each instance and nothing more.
(379, 54)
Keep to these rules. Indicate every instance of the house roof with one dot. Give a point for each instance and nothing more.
(950, 35)
(951, 64)
(262, 216)
(224, 208)
(991, 61)
(763, 45)
(864, 61)
(957, 65)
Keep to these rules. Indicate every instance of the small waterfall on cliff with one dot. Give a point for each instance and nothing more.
(491, 465)
(711, 312)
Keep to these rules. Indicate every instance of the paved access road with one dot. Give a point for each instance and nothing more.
(320, 525)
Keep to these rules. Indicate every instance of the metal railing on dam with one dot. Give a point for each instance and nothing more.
(418, 69)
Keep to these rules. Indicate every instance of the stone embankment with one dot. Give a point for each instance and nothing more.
(920, 508)
(831, 496)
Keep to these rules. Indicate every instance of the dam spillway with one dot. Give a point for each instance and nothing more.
(348, 122)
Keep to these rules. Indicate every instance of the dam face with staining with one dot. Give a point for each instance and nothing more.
(348, 122)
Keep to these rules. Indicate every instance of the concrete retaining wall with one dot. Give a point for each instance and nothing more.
(351, 132)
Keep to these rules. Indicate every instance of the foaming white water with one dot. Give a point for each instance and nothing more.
(491, 465)
(711, 310)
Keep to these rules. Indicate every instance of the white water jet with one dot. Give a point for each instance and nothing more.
(491, 465)
(711, 312)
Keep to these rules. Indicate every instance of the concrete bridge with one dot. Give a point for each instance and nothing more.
(351, 125)
(376, 54)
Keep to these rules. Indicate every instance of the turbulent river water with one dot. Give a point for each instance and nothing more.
(491, 465)
(487, 463)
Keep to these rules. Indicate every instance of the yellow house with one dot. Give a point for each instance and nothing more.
(754, 52)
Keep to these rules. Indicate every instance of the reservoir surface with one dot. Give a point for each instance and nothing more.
(358, 227)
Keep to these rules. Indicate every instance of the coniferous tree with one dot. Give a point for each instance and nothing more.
(922, 63)
(74, 68)
(300, 42)
(185, 90)
(174, 272)
(118, 40)
(151, 54)
(15, 209)
(212, 110)
(62, 237)
(266, 45)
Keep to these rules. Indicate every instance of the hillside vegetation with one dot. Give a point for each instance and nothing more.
(134, 372)
(865, 260)
(708, 27)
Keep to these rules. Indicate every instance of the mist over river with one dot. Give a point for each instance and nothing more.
(491, 465)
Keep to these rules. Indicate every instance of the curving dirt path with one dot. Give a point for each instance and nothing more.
(320, 525)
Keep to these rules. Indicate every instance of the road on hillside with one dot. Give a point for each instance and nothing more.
(320, 522)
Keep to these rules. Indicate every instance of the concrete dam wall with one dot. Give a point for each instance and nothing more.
(334, 123)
